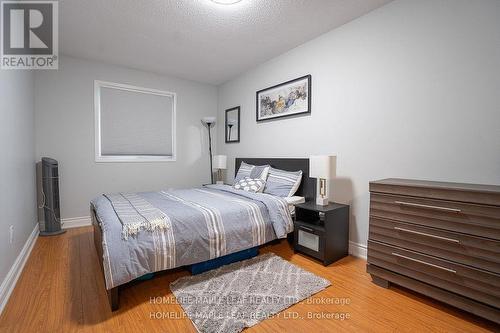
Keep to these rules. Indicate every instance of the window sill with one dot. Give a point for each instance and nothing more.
(134, 159)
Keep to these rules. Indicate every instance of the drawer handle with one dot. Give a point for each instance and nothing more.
(306, 229)
(428, 235)
(425, 263)
(411, 204)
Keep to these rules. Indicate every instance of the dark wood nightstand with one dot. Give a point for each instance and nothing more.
(322, 231)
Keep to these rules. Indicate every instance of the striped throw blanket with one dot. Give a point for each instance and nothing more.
(137, 214)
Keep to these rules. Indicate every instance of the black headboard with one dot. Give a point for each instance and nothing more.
(307, 187)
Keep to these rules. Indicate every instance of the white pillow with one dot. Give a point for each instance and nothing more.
(295, 200)
(250, 185)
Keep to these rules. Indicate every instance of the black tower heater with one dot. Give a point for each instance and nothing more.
(50, 197)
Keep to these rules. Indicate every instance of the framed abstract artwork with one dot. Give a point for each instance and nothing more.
(285, 99)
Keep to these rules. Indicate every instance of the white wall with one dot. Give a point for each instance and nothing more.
(411, 90)
(65, 131)
(17, 165)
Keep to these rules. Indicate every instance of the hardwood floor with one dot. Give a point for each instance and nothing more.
(62, 290)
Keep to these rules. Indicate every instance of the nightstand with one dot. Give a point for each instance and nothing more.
(322, 232)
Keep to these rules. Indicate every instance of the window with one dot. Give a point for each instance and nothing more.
(133, 124)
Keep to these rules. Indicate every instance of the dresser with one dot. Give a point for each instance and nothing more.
(439, 239)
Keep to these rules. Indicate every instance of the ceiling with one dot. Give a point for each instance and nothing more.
(197, 39)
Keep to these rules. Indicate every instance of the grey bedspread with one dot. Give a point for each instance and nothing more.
(206, 223)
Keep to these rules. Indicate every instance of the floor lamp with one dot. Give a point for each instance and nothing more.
(209, 122)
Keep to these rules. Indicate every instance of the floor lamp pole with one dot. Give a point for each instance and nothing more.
(209, 121)
(210, 152)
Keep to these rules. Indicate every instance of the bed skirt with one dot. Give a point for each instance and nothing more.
(224, 260)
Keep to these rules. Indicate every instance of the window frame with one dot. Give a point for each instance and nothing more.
(99, 158)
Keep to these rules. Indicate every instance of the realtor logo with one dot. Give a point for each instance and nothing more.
(29, 35)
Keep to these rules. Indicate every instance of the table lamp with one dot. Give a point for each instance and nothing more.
(323, 168)
(219, 164)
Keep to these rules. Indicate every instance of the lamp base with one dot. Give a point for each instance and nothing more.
(322, 201)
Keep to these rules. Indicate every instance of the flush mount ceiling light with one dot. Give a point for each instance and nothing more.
(225, 2)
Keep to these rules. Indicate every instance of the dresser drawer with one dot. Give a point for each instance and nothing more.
(470, 282)
(472, 193)
(478, 220)
(483, 253)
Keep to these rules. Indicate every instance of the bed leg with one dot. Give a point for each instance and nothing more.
(114, 298)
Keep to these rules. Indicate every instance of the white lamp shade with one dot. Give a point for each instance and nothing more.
(219, 162)
(322, 166)
(208, 120)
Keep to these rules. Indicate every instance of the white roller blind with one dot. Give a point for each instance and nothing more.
(135, 123)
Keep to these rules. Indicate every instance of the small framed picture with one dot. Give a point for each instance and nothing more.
(285, 99)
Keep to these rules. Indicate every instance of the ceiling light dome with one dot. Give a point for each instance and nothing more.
(226, 2)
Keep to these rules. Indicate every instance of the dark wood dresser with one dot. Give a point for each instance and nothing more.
(439, 239)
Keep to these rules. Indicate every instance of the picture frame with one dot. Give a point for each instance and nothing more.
(232, 125)
(287, 99)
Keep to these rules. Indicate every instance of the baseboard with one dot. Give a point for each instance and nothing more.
(10, 280)
(357, 250)
(76, 222)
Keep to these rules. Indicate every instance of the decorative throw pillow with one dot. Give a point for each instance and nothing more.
(250, 184)
(252, 171)
(282, 183)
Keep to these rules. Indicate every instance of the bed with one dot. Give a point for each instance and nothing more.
(204, 223)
